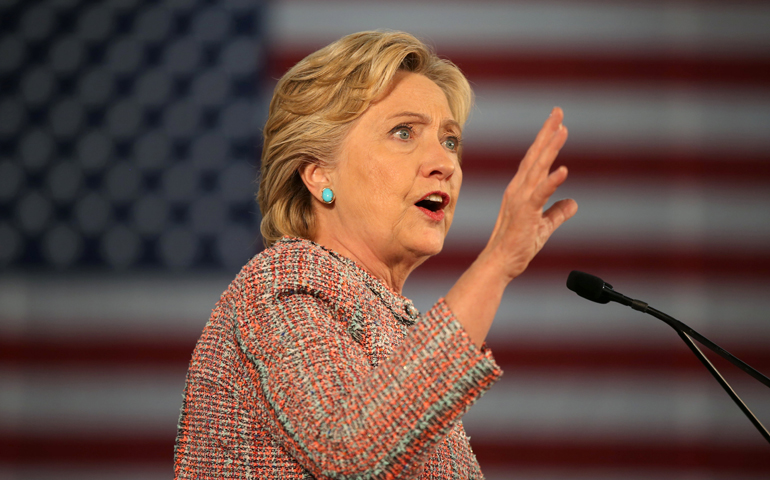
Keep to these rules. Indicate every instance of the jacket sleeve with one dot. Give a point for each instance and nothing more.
(342, 418)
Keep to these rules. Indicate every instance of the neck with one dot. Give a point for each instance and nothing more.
(393, 272)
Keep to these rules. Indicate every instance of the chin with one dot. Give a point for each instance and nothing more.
(429, 245)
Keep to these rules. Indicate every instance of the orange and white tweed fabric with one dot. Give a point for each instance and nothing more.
(311, 368)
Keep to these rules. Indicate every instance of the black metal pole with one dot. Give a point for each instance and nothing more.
(754, 420)
(681, 327)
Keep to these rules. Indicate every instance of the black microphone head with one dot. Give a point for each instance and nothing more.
(588, 286)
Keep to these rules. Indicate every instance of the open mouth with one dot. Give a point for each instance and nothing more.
(434, 202)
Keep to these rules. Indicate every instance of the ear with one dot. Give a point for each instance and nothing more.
(315, 178)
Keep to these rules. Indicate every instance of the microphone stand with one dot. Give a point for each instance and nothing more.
(684, 333)
(711, 368)
(681, 327)
(597, 290)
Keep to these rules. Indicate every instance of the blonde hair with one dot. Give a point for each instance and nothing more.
(314, 104)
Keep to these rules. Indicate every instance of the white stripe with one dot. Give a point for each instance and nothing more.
(584, 406)
(603, 116)
(554, 26)
(632, 213)
(520, 405)
(534, 306)
(91, 400)
(541, 308)
(108, 305)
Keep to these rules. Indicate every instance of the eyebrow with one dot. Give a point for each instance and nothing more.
(426, 119)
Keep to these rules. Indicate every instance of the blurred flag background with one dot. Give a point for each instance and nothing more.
(129, 144)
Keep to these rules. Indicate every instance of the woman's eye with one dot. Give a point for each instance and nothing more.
(403, 133)
(452, 143)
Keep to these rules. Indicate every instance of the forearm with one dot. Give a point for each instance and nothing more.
(521, 230)
(476, 296)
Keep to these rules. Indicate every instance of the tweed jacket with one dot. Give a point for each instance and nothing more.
(312, 368)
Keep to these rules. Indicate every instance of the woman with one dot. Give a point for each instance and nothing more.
(313, 364)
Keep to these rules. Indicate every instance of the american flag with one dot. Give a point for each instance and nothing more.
(668, 108)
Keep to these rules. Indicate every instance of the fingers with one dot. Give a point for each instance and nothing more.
(522, 227)
(543, 191)
(541, 183)
(535, 165)
(559, 213)
(550, 126)
(528, 182)
(540, 167)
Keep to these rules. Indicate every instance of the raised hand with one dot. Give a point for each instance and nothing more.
(522, 227)
(521, 230)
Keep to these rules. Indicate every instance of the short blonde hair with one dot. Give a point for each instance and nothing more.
(314, 104)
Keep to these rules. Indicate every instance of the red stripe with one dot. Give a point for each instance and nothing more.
(735, 166)
(607, 68)
(667, 357)
(152, 450)
(691, 457)
(80, 352)
(666, 262)
(686, 70)
(78, 450)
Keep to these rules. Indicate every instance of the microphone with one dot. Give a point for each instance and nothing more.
(597, 290)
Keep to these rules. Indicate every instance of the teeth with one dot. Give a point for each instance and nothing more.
(435, 198)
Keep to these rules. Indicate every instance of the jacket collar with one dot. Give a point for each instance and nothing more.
(403, 308)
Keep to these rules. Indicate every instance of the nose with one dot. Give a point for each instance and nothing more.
(438, 162)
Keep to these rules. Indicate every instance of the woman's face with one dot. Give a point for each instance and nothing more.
(397, 175)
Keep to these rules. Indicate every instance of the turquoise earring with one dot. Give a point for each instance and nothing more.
(327, 195)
